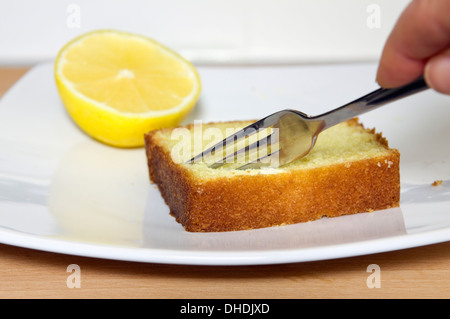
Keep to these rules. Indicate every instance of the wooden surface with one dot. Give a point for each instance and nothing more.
(422, 272)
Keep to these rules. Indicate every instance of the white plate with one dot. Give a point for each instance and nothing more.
(62, 192)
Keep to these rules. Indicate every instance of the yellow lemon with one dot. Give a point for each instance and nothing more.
(117, 86)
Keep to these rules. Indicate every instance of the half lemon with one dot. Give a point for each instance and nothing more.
(117, 86)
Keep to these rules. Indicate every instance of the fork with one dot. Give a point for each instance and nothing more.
(293, 134)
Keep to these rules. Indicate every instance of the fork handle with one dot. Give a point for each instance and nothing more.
(371, 101)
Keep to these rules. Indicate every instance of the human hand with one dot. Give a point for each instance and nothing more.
(419, 44)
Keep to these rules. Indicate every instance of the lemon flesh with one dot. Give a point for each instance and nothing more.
(117, 86)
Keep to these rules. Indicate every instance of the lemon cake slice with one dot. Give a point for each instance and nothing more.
(350, 170)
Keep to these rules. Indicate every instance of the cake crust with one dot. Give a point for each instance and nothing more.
(244, 202)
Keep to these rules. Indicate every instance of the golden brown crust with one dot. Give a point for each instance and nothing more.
(256, 201)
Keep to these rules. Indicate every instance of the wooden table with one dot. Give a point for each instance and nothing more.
(422, 272)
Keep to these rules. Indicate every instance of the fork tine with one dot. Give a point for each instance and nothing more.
(264, 161)
(263, 123)
(232, 138)
(267, 140)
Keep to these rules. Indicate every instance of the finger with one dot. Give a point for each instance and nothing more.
(422, 31)
(437, 72)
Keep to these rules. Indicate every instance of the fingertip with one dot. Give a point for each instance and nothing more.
(437, 72)
(386, 76)
(398, 72)
(382, 79)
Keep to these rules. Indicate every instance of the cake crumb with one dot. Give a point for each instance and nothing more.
(437, 183)
(389, 163)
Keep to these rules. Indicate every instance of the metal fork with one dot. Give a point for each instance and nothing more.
(293, 133)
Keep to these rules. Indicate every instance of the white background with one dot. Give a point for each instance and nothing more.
(207, 31)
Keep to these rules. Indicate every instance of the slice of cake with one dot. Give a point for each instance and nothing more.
(350, 170)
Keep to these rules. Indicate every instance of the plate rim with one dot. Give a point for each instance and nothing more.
(226, 257)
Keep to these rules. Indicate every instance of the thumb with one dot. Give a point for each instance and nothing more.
(437, 72)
